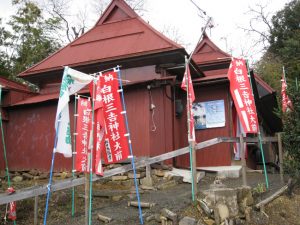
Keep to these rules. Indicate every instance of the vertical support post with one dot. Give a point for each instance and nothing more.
(36, 210)
(280, 154)
(244, 164)
(86, 198)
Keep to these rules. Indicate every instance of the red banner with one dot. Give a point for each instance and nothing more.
(99, 140)
(116, 144)
(83, 129)
(241, 93)
(286, 102)
(191, 98)
(98, 98)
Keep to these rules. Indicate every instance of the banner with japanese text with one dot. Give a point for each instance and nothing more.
(187, 85)
(116, 144)
(99, 140)
(241, 93)
(83, 128)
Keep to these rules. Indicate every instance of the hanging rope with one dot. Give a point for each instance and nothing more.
(259, 134)
(4, 149)
(130, 146)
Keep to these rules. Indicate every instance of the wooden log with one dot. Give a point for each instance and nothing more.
(272, 197)
(104, 219)
(169, 214)
(143, 204)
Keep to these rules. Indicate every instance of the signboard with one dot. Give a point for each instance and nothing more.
(209, 114)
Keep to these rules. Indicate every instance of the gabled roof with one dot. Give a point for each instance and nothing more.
(119, 33)
(206, 51)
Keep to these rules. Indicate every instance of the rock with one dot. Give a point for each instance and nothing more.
(147, 188)
(116, 198)
(227, 196)
(178, 179)
(200, 222)
(160, 166)
(169, 214)
(119, 178)
(27, 176)
(146, 181)
(128, 183)
(167, 185)
(17, 179)
(138, 175)
(187, 221)
(248, 214)
(43, 176)
(34, 172)
(159, 173)
(244, 198)
(209, 221)
(221, 213)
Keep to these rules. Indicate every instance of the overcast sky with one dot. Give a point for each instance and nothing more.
(181, 18)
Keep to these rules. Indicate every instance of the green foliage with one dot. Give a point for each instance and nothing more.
(27, 39)
(285, 36)
(284, 50)
(32, 34)
(291, 135)
(284, 46)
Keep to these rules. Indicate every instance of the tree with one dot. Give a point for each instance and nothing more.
(4, 65)
(30, 39)
(285, 36)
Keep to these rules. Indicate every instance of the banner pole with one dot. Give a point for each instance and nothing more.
(74, 152)
(259, 134)
(51, 172)
(130, 146)
(92, 152)
(191, 144)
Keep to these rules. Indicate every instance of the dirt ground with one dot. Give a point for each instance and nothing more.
(282, 211)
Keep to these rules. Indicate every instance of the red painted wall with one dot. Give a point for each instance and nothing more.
(217, 155)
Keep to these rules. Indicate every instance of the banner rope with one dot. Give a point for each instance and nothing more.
(117, 69)
(259, 134)
(4, 146)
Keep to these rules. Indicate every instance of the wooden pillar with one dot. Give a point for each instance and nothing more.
(244, 165)
(280, 154)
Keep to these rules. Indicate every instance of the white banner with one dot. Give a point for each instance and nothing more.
(72, 82)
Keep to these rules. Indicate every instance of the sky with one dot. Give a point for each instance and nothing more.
(180, 19)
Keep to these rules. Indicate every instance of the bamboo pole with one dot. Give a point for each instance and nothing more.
(36, 210)
(280, 153)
